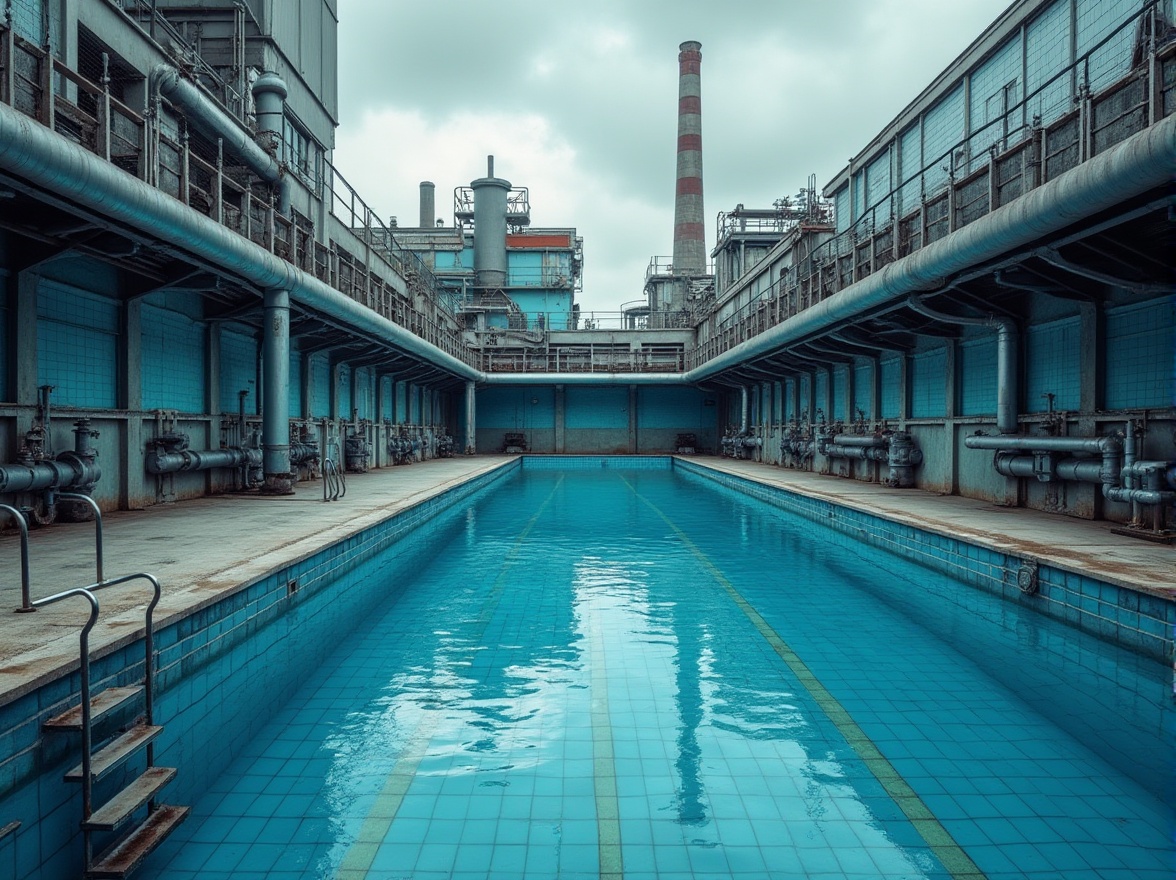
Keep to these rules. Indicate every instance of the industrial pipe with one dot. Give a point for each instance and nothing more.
(32, 152)
(491, 195)
(192, 460)
(897, 449)
(76, 469)
(269, 101)
(210, 118)
(744, 406)
(275, 409)
(471, 412)
(1007, 407)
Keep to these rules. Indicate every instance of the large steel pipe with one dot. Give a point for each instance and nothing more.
(67, 471)
(1093, 445)
(191, 460)
(1145, 161)
(213, 121)
(275, 410)
(30, 151)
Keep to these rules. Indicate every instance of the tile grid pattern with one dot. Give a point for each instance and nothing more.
(1135, 620)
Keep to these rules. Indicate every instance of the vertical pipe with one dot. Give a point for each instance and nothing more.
(1007, 405)
(275, 425)
(471, 411)
(743, 409)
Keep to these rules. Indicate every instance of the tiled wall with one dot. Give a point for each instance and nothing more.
(173, 368)
(77, 337)
(238, 369)
(1052, 353)
(928, 383)
(1140, 366)
(1138, 621)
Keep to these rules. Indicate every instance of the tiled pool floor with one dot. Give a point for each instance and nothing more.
(610, 674)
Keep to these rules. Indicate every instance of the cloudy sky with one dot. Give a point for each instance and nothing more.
(578, 102)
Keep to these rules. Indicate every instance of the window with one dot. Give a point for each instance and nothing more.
(298, 150)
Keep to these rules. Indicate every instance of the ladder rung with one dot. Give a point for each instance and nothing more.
(126, 855)
(106, 702)
(112, 755)
(119, 808)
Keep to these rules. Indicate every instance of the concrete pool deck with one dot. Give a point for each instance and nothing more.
(200, 553)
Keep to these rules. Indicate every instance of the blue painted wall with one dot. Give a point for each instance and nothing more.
(77, 340)
(928, 384)
(7, 392)
(977, 374)
(891, 368)
(1052, 358)
(863, 389)
(320, 385)
(343, 392)
(238, 368)
(294, 399)
(1141, 363)
(173, 364)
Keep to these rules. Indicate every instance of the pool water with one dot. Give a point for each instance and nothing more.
(626, 673)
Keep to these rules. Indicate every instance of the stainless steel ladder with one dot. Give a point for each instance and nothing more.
(130, 841)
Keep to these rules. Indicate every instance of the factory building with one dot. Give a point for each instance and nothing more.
(198, 309)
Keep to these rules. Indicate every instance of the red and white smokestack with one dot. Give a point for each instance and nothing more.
(689, 232)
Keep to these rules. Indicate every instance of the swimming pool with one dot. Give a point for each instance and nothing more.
(621, 671)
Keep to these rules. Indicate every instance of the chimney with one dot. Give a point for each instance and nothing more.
(689, 232)
(428, 204)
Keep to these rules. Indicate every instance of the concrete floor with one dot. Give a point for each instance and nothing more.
(204, 549)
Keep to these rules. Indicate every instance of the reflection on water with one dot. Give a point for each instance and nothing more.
(462, 727)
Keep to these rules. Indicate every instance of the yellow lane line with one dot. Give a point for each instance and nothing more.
(938, 838)
(358, 859)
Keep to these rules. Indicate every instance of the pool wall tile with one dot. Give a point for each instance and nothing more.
(1079, 600)
(214, 686)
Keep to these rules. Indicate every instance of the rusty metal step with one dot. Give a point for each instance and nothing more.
(118, 809)
(126, 855)
(113, 754)
(103, 704)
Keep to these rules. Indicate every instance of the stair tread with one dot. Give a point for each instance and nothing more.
(120, 807)
(126, 855)
(113, 754)
(107, 701)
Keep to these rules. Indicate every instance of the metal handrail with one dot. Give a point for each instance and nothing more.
(26, 605)
(84, 646)
(98, 553)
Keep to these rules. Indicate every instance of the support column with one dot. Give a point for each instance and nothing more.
(471, 411)
(632, 420)
(275, 422)
(560, 419)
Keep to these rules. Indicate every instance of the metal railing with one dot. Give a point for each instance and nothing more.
(195, 171)
(1017, 159)
(590, 358)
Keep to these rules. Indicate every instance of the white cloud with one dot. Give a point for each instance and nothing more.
(578, 103)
